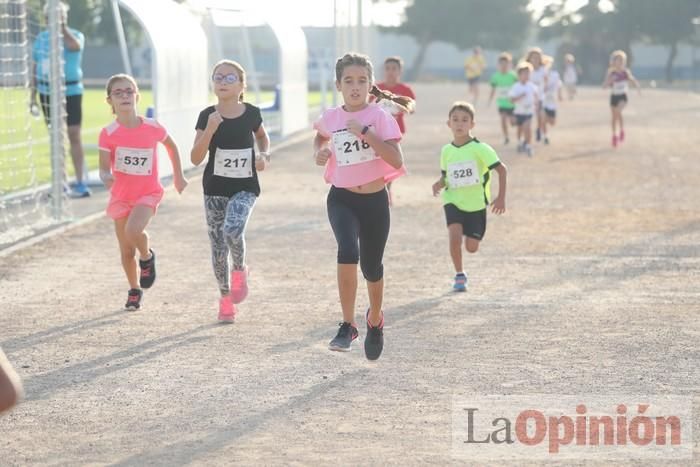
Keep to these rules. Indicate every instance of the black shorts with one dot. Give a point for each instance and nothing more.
(74, 109)
(615, 99)
(473, 223)
(520, 119)
(503, 111)
(551, 113)
(473, 80)
(360, 223)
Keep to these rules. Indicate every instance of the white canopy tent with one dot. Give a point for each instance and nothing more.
(180, 69)
(294, 102)
(293, 112)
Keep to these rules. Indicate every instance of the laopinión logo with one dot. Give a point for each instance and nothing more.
(572, 426)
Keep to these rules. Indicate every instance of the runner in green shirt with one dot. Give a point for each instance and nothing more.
(501, 82)
(466, 165)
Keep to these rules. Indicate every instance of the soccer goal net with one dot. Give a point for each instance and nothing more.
(32, 149)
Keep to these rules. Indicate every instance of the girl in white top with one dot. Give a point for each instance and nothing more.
(552, 92)
(525, 95)
(571, 72)
(538, 76)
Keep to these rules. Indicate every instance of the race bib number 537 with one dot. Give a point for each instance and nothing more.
(134, 161)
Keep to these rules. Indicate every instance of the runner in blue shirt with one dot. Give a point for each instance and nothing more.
(73, 44)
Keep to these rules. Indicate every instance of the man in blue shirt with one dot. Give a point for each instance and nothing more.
(73, 44)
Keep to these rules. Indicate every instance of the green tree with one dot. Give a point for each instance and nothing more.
(663, 23)
(591, 33)
(588, 32)
(465, 23)
(93, 18)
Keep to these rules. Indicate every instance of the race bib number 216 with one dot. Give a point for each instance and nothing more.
(351, 150)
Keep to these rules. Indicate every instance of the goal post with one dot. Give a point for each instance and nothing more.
(30, 153)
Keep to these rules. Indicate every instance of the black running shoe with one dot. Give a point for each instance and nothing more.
(374, 341)
(148, 271)
(346, 334)
(133, 302)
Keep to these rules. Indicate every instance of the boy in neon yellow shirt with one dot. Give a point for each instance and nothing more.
(466, 165)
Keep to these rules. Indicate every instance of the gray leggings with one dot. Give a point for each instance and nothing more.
(227, 219)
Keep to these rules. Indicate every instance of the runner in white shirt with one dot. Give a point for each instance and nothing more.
(552, 92)
(525, 95)
(571, 72)
(539, 77)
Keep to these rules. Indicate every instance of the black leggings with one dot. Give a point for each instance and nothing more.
(365, 218)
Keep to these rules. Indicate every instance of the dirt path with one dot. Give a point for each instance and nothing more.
(590, 284)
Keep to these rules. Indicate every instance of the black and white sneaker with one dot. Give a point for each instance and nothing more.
(148, 271)
(346, 334)
(133, 301)
(374, 341)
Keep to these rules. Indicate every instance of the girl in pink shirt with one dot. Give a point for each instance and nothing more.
(358, 143)
(129, 170)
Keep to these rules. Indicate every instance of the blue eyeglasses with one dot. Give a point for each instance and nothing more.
(228, 79)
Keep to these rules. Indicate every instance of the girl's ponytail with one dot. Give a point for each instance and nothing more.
(405, 104)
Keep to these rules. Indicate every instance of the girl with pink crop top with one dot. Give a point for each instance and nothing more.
(618, 79)
(129, 170)
(358, 143)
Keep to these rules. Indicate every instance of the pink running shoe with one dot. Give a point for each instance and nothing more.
(614, 141)
(227, 310)
(622, 136)
(239, 285)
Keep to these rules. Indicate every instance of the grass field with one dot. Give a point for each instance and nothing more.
(24, 164)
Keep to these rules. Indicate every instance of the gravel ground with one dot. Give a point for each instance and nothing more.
(589, 284)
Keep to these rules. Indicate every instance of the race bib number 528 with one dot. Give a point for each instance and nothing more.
(461, 174)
